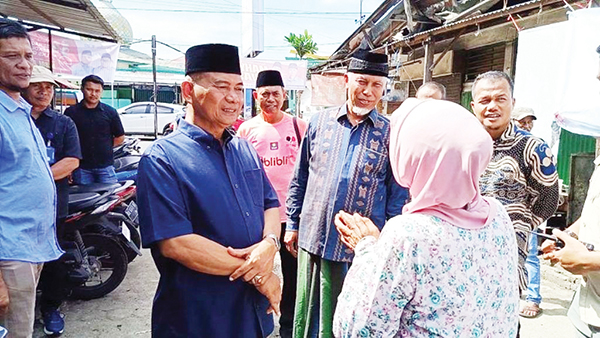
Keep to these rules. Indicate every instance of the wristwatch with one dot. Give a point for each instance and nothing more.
(275, 240)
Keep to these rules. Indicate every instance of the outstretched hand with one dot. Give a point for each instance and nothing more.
(353, 228)
(574, 257)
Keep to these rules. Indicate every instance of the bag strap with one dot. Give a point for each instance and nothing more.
(298, 139)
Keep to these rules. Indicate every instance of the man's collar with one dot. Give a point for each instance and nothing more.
(11, 105)
(343, 111)
(509, 133)
(48, 112)
(100, 106)
(200, 135)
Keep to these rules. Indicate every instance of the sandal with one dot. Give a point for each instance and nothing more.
(531, 310)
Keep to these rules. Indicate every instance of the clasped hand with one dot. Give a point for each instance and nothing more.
(258, 270)
(353, 228)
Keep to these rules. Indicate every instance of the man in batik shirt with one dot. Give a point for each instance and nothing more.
(343, 165)
(521, 174)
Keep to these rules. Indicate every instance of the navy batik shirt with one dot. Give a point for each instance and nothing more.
(60, 133)
(189, 183)
(341, 167)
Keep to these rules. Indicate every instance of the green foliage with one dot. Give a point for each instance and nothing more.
(302, 43)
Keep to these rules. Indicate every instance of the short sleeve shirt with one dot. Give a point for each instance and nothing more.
(97, 128)
(189, 183)
(27, 193)
(277, 145)
(60, 133)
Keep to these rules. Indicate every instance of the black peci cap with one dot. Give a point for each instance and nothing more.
(269, 78)
(365, 62)
(218, 58)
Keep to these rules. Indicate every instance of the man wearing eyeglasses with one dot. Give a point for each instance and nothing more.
(27, 192)
(209, 214)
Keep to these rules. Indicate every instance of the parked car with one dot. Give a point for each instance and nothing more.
(66, 98)
(174, 124)
(138, 118)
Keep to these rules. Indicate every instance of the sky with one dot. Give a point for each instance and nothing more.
(184, 23)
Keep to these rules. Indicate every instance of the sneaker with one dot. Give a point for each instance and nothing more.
(54, 324)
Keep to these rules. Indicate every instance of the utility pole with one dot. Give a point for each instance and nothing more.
(155, 89)
(360, 19)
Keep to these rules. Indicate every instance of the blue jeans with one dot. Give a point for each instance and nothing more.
(96, 175)
(532, 264)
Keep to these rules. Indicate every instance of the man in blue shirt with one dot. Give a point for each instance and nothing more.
(100, 130)
(62, 144)
(203, 192)
(27, 193)
(343, 165)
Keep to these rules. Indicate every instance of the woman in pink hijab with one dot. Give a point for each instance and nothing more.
(447, 267)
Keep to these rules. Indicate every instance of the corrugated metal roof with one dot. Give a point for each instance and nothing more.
(73, 16)
(471, 19)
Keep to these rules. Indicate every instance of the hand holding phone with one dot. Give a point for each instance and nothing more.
(558, 243)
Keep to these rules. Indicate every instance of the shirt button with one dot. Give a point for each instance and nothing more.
(236, 186)
(247, 214)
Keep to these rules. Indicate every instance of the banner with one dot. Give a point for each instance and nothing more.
(556, 72)
(75, 58)
(292, 72)
(328, 90)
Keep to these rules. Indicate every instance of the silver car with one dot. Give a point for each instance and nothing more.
(138, 118)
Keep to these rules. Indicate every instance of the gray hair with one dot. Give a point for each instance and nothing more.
(493, 75)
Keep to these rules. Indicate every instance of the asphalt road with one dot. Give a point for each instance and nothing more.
(126, 311)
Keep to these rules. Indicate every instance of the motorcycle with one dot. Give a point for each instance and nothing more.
(123, 215)
(95, 253)
(126, 159)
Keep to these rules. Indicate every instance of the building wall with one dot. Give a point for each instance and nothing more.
(452, 82)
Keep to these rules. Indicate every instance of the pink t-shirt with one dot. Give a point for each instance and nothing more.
(277, 146)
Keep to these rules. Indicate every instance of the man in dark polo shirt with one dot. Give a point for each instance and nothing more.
(100, 130)
(203, 191)
(62, 144)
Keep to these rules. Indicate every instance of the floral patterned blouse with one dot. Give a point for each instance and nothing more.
(425, 277)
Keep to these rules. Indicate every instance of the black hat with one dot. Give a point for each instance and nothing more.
(365, 62)
(216, 57)
(269, 78)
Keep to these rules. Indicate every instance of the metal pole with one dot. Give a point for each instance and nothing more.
(54, 104)
(50, 48)
(155, 91)
(360, 18)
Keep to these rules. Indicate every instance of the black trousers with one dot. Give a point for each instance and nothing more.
(289, 268)
(54, 282)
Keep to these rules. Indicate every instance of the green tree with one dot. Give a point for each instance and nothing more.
(302, 43)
